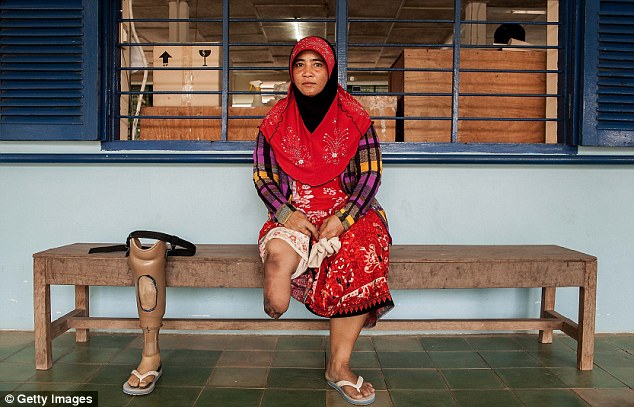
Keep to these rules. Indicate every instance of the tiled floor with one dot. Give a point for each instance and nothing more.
(278, 371)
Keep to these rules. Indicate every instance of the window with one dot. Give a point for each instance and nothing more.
(399, 62)
(182, 80)
(200, 75)
(501, 57)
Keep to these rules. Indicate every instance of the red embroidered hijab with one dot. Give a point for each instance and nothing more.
(318, 156)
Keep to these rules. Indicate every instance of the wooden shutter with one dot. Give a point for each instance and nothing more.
(49, 83)
(608, 109)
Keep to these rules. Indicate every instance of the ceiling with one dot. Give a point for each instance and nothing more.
(380, 33)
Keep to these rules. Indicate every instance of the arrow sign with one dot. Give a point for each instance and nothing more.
(165, 57)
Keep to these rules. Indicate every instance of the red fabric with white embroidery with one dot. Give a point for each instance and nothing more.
(354, 280)
(314, 158)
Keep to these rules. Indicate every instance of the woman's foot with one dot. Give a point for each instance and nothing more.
(148, 363)
(335, 375)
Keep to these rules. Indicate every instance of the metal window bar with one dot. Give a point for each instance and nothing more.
(342, 22)
(225, 91)
(457, 94)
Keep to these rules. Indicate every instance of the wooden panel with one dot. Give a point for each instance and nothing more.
(180, 128)
(245, 129)
(453, 253)
(396, 79)
(485, 275)
(475, 106)
(200, 129)
(399, 253)
(377, 106)
(89, 271)
(240, 129)
(186, 56)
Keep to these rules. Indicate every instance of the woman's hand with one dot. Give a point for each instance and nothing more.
(330, 228)
(300, 223)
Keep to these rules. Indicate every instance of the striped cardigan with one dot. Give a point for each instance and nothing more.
(360, 181)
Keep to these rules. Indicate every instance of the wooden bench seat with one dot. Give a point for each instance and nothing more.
(411, 267)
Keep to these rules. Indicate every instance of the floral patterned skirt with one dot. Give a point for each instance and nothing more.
(354, 280)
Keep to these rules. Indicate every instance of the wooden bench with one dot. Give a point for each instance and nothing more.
(411, 267)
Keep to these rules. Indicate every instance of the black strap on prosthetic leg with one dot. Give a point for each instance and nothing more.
(187, 248)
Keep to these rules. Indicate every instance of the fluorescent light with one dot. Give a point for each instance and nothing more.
(297, 34)
(535, 12)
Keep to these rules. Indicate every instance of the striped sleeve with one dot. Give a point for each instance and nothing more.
(366, 181)
(267, 181)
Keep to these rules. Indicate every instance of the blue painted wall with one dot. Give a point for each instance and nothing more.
(587, 208)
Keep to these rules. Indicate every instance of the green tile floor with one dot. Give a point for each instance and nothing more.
(277, 371)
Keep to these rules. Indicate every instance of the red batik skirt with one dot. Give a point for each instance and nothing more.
(354, 280)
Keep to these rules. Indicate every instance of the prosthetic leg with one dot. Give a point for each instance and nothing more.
(148, 271)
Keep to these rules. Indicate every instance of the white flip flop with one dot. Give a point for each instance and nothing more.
(141, 391)
(364, 401)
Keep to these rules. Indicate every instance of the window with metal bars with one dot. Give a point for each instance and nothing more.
(430, 73)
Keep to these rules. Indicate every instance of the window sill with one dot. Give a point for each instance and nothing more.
(204, 152)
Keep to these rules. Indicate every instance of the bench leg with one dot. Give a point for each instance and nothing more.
(548, 304)
(82, 302)
(42, 317)
(585, 340)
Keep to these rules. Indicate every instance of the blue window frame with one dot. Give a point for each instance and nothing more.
(493, 132)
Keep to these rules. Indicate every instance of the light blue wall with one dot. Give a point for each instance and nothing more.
(587, 208)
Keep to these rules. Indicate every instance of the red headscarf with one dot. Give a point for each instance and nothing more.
(318, 157)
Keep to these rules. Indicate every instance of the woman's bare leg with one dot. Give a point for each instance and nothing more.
(343, 335)
(280, 262)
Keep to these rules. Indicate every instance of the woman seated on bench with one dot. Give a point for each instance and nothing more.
(317, 168)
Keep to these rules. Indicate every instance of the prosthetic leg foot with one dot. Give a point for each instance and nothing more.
(148, 271)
